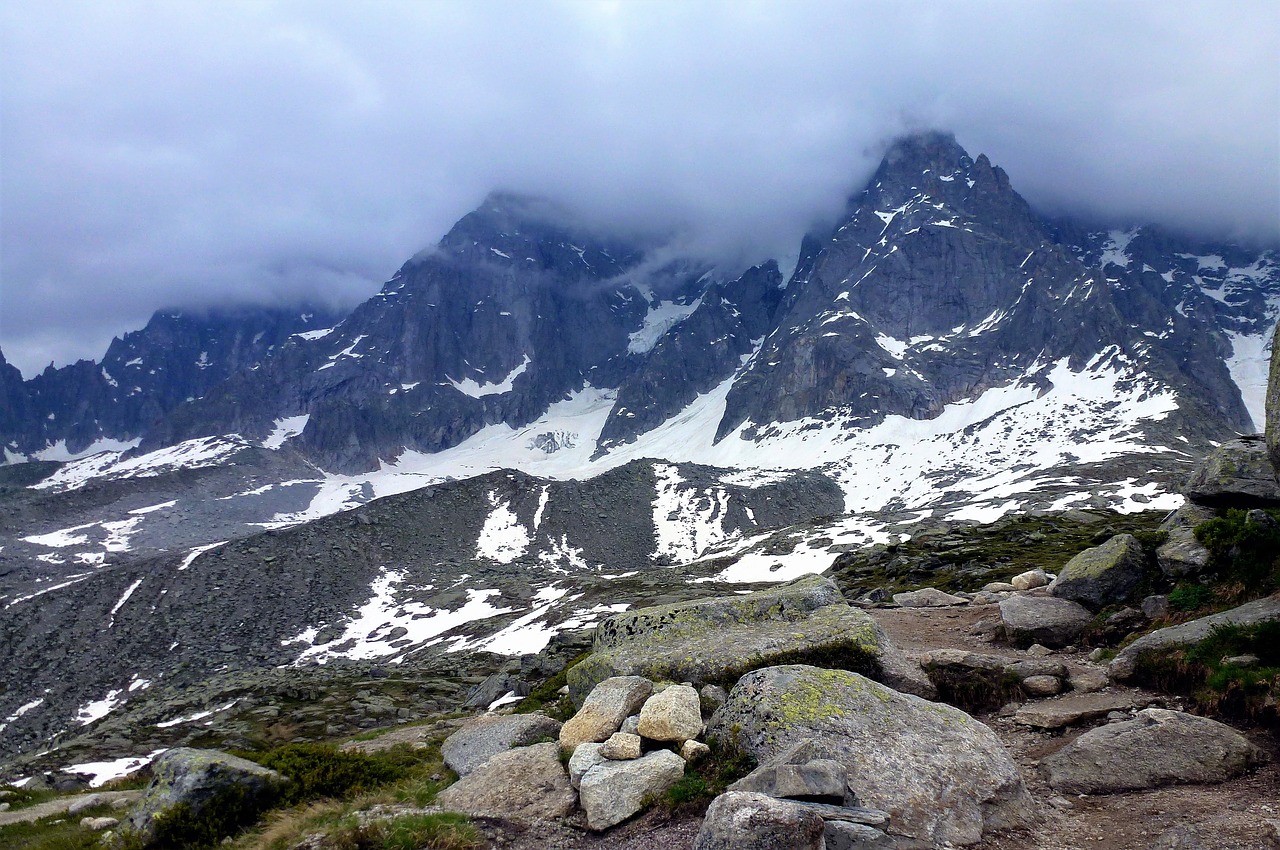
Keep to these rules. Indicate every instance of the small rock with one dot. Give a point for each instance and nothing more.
(843, 835)
(1029, 580)
(1098, 654)
(613, 791)
(927, 597)
(1117, 716)
(631, 725)
(1242, 660)
(1155, 607)
(88, 801)
(693, 750)
(673, 715)
(998, 587)
(1042, 686)
(1039, 651)
(1061, 803)
(585, 757)
(1087, 681)
(609, 703)
(98, 824)
(713, 696)
(1043, 620)
(4, 807)
(743, 820)
(621, 746)
(1074, 708)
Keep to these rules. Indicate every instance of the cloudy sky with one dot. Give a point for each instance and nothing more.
(171, 153)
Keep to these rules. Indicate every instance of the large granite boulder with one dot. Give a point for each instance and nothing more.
(484, 737)
(1273, 405)
(941, 775)
(1158, 747)
(1125, 663)
(613, 791)
(716, 640)
(1103, 575)
(1182, 554)
(674, 714)
(1044, 620)
(196, 780)
(1237, 474)
(524, 784)
(607, 705)
(744, 820)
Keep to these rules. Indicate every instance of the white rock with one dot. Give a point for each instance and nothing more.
(673, 715)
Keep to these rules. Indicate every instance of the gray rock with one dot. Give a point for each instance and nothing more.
(621, 746)
(694, 750)
(1184, 634)
(1042, 686)
(1043, 619)
(1084, 680)
(585, 757)
(1000, 586)
(1028, 667)
(631, 725)
(484, 737)
(1236, 474)
(927, 597)
(1076, 708)
(613, 791)
(1182, 554)
(86, 802)
(1242, 660)
(602, 713)
(713, 696)
(494, 687)
(98, 824)
(842, 835)
(525, 784)
(1029, 580)
(744, 820)
(675, 714)
(1103, 575)
(197, 779)
(1156, 606)
(806, 770)
(1158, 747)
(941, 775)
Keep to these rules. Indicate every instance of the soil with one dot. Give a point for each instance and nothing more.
(1242, 814)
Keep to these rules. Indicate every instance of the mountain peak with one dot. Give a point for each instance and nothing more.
(932, 150)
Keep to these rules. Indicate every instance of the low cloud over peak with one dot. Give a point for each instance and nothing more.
(165, 154)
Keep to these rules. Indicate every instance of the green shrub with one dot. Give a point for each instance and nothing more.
(322, 770)
(1190, 597)
(223, 815)
(1243, 550)
(1214, 686)
(440, 831)
(547, 696)
(706, 779)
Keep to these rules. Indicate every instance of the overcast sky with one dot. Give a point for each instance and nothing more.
(171, 153)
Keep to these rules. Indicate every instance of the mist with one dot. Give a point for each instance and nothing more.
(186, 154)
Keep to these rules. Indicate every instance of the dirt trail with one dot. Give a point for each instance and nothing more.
(60, 806)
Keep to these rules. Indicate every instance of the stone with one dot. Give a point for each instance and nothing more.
(494, 688)
(613, 791)
(621, 746)
(999, 587)
(744, 820)
(941, 775)
(986, 597)
(1249, 660)
(694, 751)
(1237, 474)
(99, 824)
(1039, 651)
(4, 807)
(1085, 681)
(927, 597)
(1103, 575)
(1156, 606)
(712, 696)
(1158, 747)
(484, 737)
(1182, 555)
(1121, 624)
(631, 725)
(1028, 667)
(1042, 686)
(842, 835)
(973, 680)
(716, 640)
(585, 757)
(609, 703)
(88, 801)
(197, 779)
(1076, 708)
(1029, 580)
(1124, 665)
(1043, 619)
(673, 715)
(524, 784)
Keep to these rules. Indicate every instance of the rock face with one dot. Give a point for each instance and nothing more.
(603, 712)
(1103, 575)
(1273, 405)
(197, 779)
(1258, 611)
(1158, 747)
(527, 783)
(1236, 474)
(483, 738)
(744, 820)
(1043, 619)
(613, 791)
(941, 775)
(674, 714)
(1182, 554)
(717, 640)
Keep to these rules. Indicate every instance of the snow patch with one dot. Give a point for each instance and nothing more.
(285, 429)
(468, 386)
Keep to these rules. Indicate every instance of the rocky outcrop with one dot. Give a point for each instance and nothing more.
(613, 791)
(1103, 575)
(1182, 554)
(1125, 663)
(1273, 405)
(1043, 619)
(744, 820)
(1236, 474)
(717, 640)
(527, 783)
(484, 737)
(1158, 747)
(607, 705)
(1075, 709)
(928, 597)
(196, 780)
(941, 775)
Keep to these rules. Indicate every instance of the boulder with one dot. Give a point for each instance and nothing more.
(716, 640)
(1182, 554)
(1029, 580)
(484, 737)
(971, 680)
(585, 757)
(712, 697)
(1076, 708)
(1124, 664)
(610, 702)
(197, 780)
(613, 791)
(842, 835)
(1042, 686)
(1003, 586)
(806, 770)
(524, 784)
(493, 688)
(694, 750)
(674, 714)
(98, 824)
(744, 820)
(1103, 575)
(1158, 747)
(621, 746)
(1273, 407)
(1155, 606)
(927, 597)
(1237, 474)
(941, 775)
(1043, 619)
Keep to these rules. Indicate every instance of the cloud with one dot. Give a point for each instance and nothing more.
(180, 153)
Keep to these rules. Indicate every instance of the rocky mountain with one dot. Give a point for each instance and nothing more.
(534, 422)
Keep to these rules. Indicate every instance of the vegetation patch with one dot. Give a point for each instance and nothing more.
(547, 697)
(56, 832)
(322, 770)
(1244, 552)
(974, 690)
(704, 780)
(431, 831)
